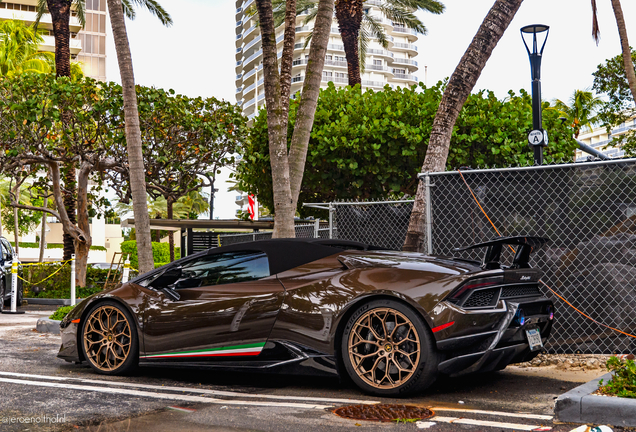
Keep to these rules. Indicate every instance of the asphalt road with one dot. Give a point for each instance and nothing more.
(58, 396)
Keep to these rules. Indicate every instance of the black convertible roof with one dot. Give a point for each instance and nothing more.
(285, 254)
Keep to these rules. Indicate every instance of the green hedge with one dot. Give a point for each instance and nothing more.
(160, 252)
(59, 286)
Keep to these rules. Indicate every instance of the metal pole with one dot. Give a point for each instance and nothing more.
(429, 215)
(14, 288)
(14, 284)
(126, 274)
(317, 228)
(73, 280)
(537, 118)
(331, 220)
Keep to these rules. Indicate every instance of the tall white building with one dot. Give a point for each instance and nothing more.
(87, 45)
(394, 66)
(601, 140)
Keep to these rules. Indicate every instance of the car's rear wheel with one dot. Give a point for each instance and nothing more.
(109, 339)
(388, 350)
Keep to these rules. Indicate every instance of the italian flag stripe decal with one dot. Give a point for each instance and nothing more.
(235, 350)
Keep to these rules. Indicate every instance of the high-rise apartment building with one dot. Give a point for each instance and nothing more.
(87, 45)
(394, 66)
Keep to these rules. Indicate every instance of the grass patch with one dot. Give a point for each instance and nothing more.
(61, 312)
(623, 382)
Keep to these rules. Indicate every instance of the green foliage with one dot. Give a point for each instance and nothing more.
(42, 285)
(27, 220)
(61, 312)
(160, 252)
(19, 49)
(52, 246)
(623, 382)
(611, 80)
(367, 145)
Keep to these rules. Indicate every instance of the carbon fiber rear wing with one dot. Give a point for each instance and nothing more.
(526, 245)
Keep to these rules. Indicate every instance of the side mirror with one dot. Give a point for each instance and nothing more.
(167, 278)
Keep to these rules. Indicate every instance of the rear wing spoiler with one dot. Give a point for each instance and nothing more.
(526, 245)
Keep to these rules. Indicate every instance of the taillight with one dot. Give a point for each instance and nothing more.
(475, 284)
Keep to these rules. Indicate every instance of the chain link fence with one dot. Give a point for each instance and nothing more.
(587, 210)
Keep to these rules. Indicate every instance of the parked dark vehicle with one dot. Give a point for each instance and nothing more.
(7, 256)
(391, 321)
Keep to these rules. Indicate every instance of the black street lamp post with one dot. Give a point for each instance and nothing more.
(538, 138)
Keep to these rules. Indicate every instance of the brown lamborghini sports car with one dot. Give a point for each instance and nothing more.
(391, 321)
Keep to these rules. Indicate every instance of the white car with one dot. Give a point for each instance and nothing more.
(7, 256)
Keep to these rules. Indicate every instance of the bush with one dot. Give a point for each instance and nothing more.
(52, 246)
(623, 383)
(61, 312)
(160, 252)
(46, 281)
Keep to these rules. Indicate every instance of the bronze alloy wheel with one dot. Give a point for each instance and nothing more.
(384, 348)
(107, 338)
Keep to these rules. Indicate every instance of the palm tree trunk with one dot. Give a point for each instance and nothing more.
(169, 204)
(283, 203)
(627, 52)
(349, 14)
(286, 59)
(60, 11)
(309, 99)
(70, 206)
(459, 87)
(133, 137)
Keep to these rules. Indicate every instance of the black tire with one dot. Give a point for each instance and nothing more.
(108, 355)
(406, 346)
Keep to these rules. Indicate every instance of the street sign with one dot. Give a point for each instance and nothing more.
(538, 137)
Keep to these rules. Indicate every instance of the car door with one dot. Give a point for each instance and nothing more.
(222, 306)
(7, 259)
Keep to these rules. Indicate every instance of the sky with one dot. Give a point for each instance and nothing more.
(196, 56)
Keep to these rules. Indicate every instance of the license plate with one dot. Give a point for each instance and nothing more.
(534, 339)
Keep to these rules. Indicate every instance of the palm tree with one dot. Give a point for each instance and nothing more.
(358, 28)
(116, 9)
(459, 87)
(350, 15)
(19, 50)
(622, 31)
(580, 111)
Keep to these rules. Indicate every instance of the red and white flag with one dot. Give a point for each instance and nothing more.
(250, 206)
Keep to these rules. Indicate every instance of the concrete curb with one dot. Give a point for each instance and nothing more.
(46, 325)
(579, 405)
(45, 301)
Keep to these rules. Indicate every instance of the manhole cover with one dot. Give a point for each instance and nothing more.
(383, 412)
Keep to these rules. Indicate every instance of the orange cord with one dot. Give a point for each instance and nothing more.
(554, 292)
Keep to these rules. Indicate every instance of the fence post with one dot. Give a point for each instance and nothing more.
(331, 209)
(429, 215)
(126, 274)
(73, 280)
(317, 228)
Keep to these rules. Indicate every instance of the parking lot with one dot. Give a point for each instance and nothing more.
(58, 396)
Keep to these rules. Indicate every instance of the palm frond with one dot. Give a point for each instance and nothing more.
(363, 45)
(432, 6)
(596, 32)
(41, 9)
(80, 8)
(129, 11)
(157, 10)
(403, 17)
(375, 30)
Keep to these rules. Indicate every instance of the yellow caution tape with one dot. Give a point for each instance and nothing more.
(49, 276)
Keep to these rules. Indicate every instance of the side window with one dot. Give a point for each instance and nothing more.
(6, 250)
(225, 268)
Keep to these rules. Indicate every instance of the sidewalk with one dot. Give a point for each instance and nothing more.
(28, 319)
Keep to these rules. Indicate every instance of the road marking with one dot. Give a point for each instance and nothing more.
(191, 390)
(169, 396)
(517, 426)
(495, 413)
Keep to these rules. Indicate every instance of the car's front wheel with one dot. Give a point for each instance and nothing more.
(388, 350)
(109, 339)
